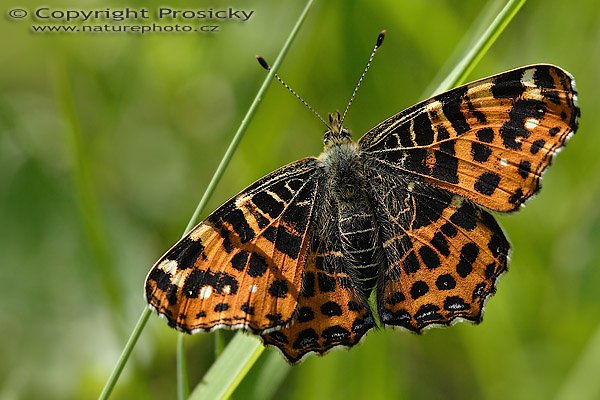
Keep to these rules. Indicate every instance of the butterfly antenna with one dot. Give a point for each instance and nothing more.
(263, 63)
(380, 38)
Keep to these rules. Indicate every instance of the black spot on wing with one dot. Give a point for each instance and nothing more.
(524, 168)
(427, 313)
(449, 230)
(305, 314)
(423, 131)
(305, 338)
(464, 217)
(331, 309)
(508, 85)
(257, 266)
(186, 252)
(487, 183)
(468, 254)
(418, 289)
(429, 257)
(336, 334)
(455, 304)
(278, 288)
(201, 278)
(485, 135)
(451, 102)
(513, 131)
(410, 264)
(268, 204)
(308, 284)
(445, 167)
(247, 308)
(288, 242)
(395, 298)
(445, 282)
(542, 78)
(480, 152)
(221, 307)
(440, 243)
(160, 277)
(239, 260)
(326, 282)
(238, 222)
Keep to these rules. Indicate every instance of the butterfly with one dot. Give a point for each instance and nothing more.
(403, 212)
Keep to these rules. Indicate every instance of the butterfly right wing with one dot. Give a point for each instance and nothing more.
(488, 141)
(242, 266)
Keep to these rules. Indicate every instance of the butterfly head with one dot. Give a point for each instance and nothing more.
(336, 134)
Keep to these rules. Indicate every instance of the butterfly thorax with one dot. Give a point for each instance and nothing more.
(348, 188)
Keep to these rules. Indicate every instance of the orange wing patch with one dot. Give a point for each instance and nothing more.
(330, 314)
(242, 267)
(488, 141)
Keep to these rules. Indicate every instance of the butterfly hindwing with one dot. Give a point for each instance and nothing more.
(488, 141)
(330, 314)
(242, 266)
(443, 256)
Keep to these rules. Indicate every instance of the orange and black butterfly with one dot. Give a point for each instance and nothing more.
(295, 256)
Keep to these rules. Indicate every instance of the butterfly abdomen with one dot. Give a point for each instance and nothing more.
(358, 232)
(357, 226)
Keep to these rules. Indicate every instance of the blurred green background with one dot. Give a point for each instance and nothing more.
(107, 142)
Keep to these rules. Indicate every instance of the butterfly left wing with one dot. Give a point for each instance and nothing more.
(489, 141)
(242, 266)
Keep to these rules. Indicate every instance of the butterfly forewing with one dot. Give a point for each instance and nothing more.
(488, 141)
(242, 267)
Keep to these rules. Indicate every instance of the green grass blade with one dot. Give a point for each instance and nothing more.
(183, 389)
(474, 54)
(243, 349)
(231, 367)
(133, 338)
(220, 378)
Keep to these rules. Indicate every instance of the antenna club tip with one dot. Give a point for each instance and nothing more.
(380, 38)
(263, 63)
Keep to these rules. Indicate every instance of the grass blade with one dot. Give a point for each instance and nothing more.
(183, 389)
(133, 338)
(246, 351)
(471, 58)
(229, 369)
